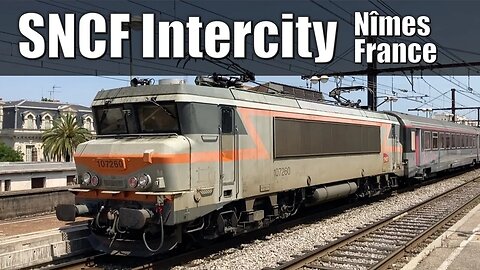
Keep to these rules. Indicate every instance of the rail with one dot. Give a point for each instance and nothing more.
(379, 245)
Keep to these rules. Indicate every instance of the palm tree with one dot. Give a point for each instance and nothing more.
(63, 138)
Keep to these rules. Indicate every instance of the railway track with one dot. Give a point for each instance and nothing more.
(102, 261)
(380, 245)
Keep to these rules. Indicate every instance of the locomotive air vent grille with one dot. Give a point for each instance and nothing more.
(113, 183)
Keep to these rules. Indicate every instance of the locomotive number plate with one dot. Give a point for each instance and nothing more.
(111, 163)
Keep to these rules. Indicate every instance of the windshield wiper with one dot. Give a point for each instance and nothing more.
(163, 108)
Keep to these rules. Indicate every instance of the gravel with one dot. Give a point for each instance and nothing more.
(294, 241)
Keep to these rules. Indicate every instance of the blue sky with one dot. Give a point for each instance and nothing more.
(82, 89)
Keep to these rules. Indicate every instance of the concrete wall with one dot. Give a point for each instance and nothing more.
(35, 201)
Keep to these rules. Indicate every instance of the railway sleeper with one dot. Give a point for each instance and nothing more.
(350, 261)
(361, 255)
(390, 236)
(398, 233)
(350, 248)
(374, 245)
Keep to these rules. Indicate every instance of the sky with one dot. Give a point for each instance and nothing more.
(82, 89)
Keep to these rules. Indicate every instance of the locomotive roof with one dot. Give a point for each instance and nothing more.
(423, 122)
(214, 95)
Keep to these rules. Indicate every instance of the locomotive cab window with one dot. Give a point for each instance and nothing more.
(110, 120)
(158, 118)
(135, 118)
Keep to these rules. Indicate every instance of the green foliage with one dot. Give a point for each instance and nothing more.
(63, 138)
(8, 154)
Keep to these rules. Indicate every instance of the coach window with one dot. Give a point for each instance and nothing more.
(441, 136)
(464, 139)
(412, 139)
(434, 140)
(447, 140)
(427, 138)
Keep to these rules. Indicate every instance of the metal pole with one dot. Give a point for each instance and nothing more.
(130, 49)
(372, 80)
(478, 117)
(453, 105)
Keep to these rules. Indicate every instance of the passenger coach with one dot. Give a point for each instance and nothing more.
(431, 146)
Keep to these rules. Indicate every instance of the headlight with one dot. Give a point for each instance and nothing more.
(132, 182)
(86, 178)
(143, 180)
(94, 180)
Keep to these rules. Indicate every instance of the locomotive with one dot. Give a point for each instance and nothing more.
(175, 163)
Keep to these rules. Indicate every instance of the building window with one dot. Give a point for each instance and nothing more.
(34, 154)
(88, 123)
(29, 153)
(38, 182)
(5, 185)
(47, 122)
(71, 180)
(29, 122)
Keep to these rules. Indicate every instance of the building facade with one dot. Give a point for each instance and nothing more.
(16, 176)
(23, 122)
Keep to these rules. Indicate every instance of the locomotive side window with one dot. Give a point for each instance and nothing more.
(299, 138)
(227, 120)
(434, 140)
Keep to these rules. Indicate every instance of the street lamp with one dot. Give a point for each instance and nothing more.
(315, 79)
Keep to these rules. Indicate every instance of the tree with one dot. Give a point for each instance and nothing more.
(8, 154)
(63, 138)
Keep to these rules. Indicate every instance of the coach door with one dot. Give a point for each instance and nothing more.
(228, 158)
(396, 154)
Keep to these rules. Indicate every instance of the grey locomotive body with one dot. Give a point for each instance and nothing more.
(178, 162)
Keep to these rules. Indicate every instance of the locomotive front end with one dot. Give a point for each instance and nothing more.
(130, 176)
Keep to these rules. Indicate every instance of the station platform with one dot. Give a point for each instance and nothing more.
(31, 241)
(26, 225)
(458, 248)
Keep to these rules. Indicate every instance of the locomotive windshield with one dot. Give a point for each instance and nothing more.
(135, 118)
